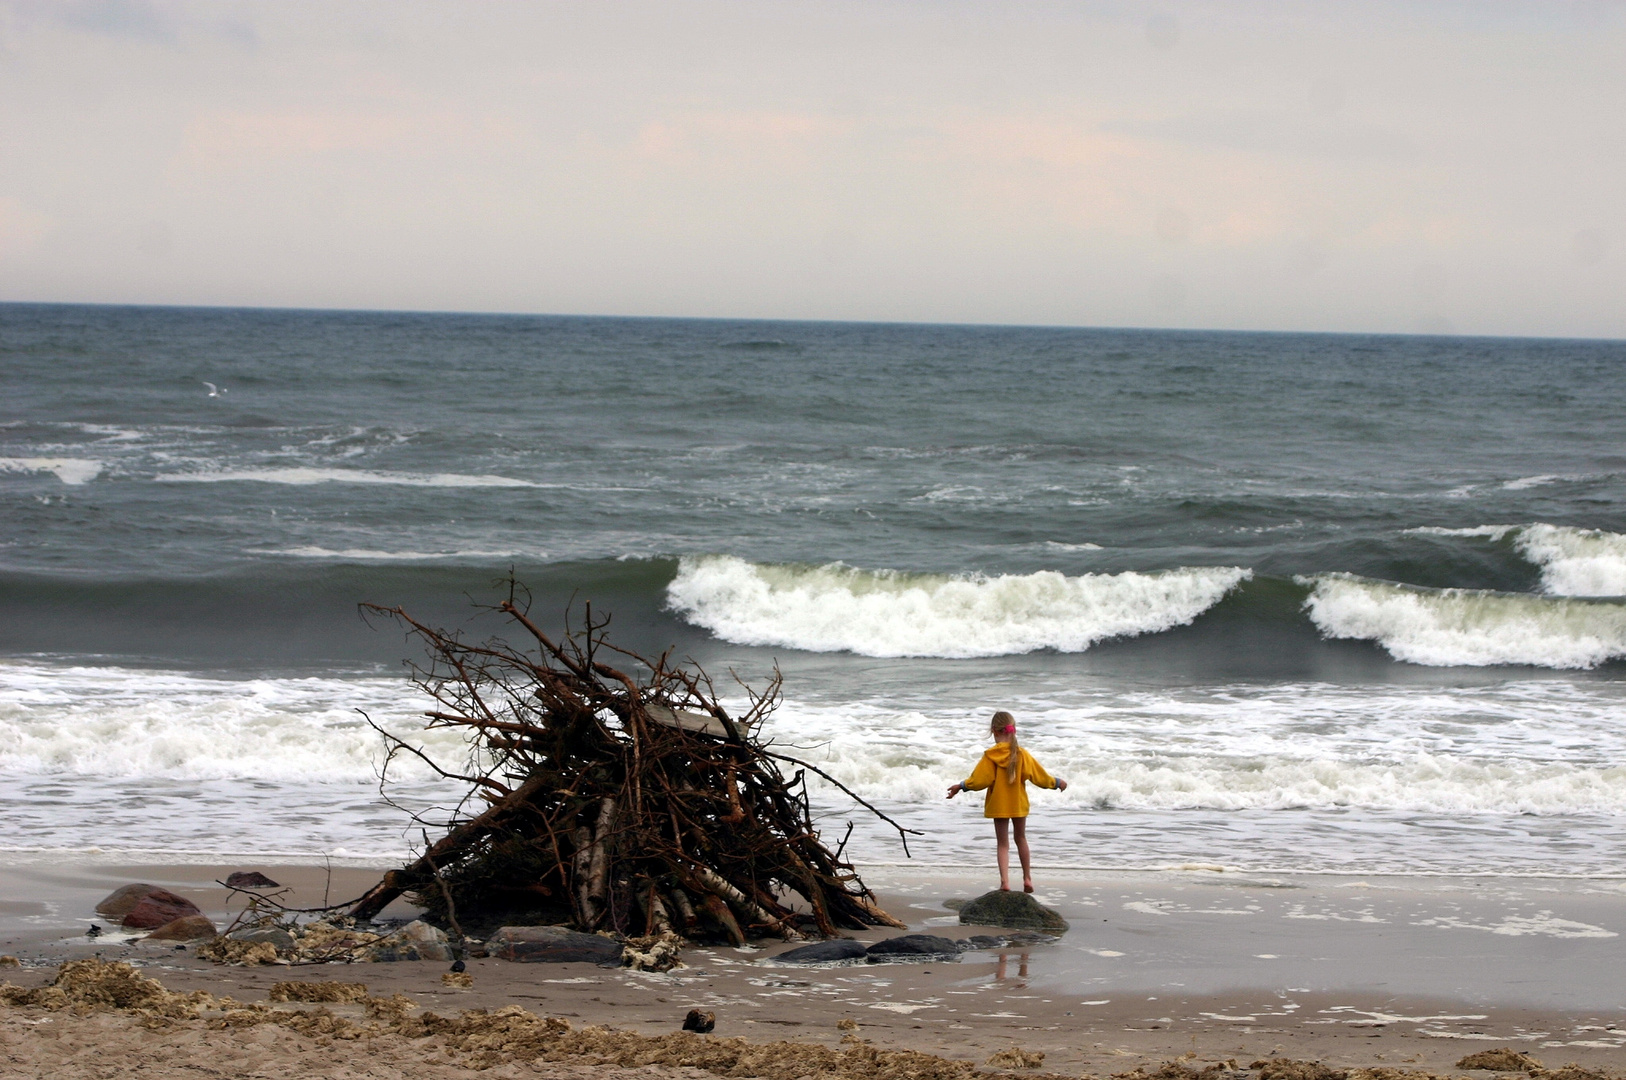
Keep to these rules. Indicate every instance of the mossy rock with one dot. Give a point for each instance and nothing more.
(1013, 909)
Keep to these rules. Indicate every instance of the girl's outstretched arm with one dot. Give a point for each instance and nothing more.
(1040, 778)
(982, 776)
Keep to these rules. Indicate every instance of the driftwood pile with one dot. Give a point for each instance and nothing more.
(622, 799)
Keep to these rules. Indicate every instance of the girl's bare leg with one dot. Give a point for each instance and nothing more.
(1002, 833)
(1022, 853)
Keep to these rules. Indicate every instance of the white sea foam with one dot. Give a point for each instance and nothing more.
(836, 608)
(372, 555)
(1574, 562)
(1522, 748)
(1303, 775)
(1467, 627)
(1489, 532)
(1524, 483)
(68, 470)
(129, 723)
(310, 475)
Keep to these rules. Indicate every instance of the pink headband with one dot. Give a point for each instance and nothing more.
(1009, 729)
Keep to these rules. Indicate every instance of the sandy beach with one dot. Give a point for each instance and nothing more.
(1352, 972)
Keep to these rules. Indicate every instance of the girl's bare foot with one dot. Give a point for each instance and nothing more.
(1005, 888)
(1027, 886)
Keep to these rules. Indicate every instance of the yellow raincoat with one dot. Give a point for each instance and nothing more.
(1005, 798)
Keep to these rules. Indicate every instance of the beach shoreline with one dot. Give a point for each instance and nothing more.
(1226, 966)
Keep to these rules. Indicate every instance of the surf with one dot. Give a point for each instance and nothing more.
(888, 613)
(1467, 627)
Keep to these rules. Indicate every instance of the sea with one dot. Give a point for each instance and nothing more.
(1271, 602)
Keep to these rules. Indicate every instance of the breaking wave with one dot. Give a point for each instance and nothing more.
(67, 470)
(836, 608)
(1467, 627)
(1576, 562)
(1573, 562)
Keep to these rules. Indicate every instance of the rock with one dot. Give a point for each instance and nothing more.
(701, 1022)
(186, 928)
(824, 952)
(955, 905)
(274, 936)
(250, 879)
(158, 907)
(10, 961)
(552, 945)
(912, 947)
(417, 940)
(457, 980)
(117, 904)
(1007, 908)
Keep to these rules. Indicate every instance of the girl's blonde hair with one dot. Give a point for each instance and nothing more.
(1001, 723)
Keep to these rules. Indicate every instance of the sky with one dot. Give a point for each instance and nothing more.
(1420, 167)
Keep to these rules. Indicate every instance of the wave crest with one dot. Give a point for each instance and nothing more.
(1467, 627)
(1576, 562)
(884, 613)
(1573, 562)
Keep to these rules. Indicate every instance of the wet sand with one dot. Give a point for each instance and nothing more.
(1372, 971)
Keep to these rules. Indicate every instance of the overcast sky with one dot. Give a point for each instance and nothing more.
(1435, 167)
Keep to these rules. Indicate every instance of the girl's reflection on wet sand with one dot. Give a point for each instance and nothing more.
(1002, 968)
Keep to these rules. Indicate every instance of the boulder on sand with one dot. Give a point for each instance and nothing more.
(1003, 907)
(824, 952)
(187, 928)
(117, 904)
(912, 947)
(417, 940)
(278, 938)
(158, 907)
(552, 945)
(250, 879)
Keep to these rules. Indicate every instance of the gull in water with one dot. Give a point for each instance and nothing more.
(214, 391)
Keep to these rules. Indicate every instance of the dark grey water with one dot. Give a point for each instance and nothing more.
(1310, 587)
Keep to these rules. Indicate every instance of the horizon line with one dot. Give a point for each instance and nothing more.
(782, 320)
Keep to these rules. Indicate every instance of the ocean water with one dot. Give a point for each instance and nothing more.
(1294, 602)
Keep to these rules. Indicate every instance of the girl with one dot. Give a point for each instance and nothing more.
(1004, 770)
